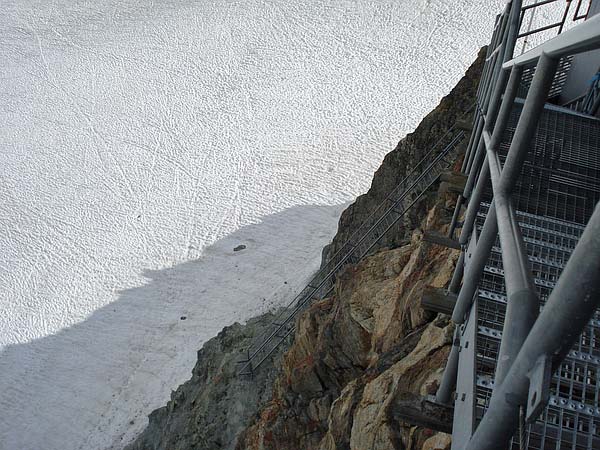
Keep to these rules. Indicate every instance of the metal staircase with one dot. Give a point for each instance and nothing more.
(525, 364)
(558, 187)
(363, 241)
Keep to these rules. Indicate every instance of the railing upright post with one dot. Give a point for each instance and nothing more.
(448, 383)
(458, 274)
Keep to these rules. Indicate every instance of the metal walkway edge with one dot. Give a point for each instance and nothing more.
(360, 243)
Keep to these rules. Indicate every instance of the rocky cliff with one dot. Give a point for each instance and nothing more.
(209, 411)
(358, 354)
(356, 357)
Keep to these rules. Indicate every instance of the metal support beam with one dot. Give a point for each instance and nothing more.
(474, 269)
(458, 274)
(473, 207)
(437, 238)
(437, 300)
(490, 227)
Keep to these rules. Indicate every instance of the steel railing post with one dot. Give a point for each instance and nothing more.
(448, 383)
(458, 274)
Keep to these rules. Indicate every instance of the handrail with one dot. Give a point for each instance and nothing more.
(326, 271)
(579, 39)
(318, 281)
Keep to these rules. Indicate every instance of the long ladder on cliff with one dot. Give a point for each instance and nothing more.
(438, 159)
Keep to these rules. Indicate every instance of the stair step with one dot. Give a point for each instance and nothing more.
(546, 224)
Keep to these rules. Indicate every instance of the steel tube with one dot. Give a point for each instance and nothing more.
(479, 154)
(476, 124)
(568, 310)
(507, 34)
(473, 207)
(513, 30)
(495, 102)
(475, 267)
(474, 151)
(458, 274)
(448, 383)
(459, 201)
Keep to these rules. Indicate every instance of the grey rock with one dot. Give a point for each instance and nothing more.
(208, 411)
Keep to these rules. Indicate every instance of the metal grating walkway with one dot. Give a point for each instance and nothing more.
(555, 195)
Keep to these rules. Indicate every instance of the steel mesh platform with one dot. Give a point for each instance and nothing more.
(555, 195)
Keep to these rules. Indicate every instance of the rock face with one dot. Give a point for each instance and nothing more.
(209, 411)
(357, 355)
(358, 358)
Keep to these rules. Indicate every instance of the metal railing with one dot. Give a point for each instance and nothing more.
(361, 242)
(530, 346)
(506, 33)
(560, 24)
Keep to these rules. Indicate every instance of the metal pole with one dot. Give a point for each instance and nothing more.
(458, 274)
(448, 383)
(496, 63)
(476, 141)
(474, 202)
(572, 303)
(454, 222)
(475, 268)
(523, 301)
(513, 30)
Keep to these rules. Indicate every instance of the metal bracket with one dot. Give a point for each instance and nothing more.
(539, 387)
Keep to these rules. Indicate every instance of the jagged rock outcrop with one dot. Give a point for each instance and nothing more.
(359, 354)
(208, 411)
(358, 358)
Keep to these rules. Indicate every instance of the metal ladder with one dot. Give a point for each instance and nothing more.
(360, 243)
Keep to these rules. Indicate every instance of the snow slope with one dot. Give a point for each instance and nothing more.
(141, 141)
